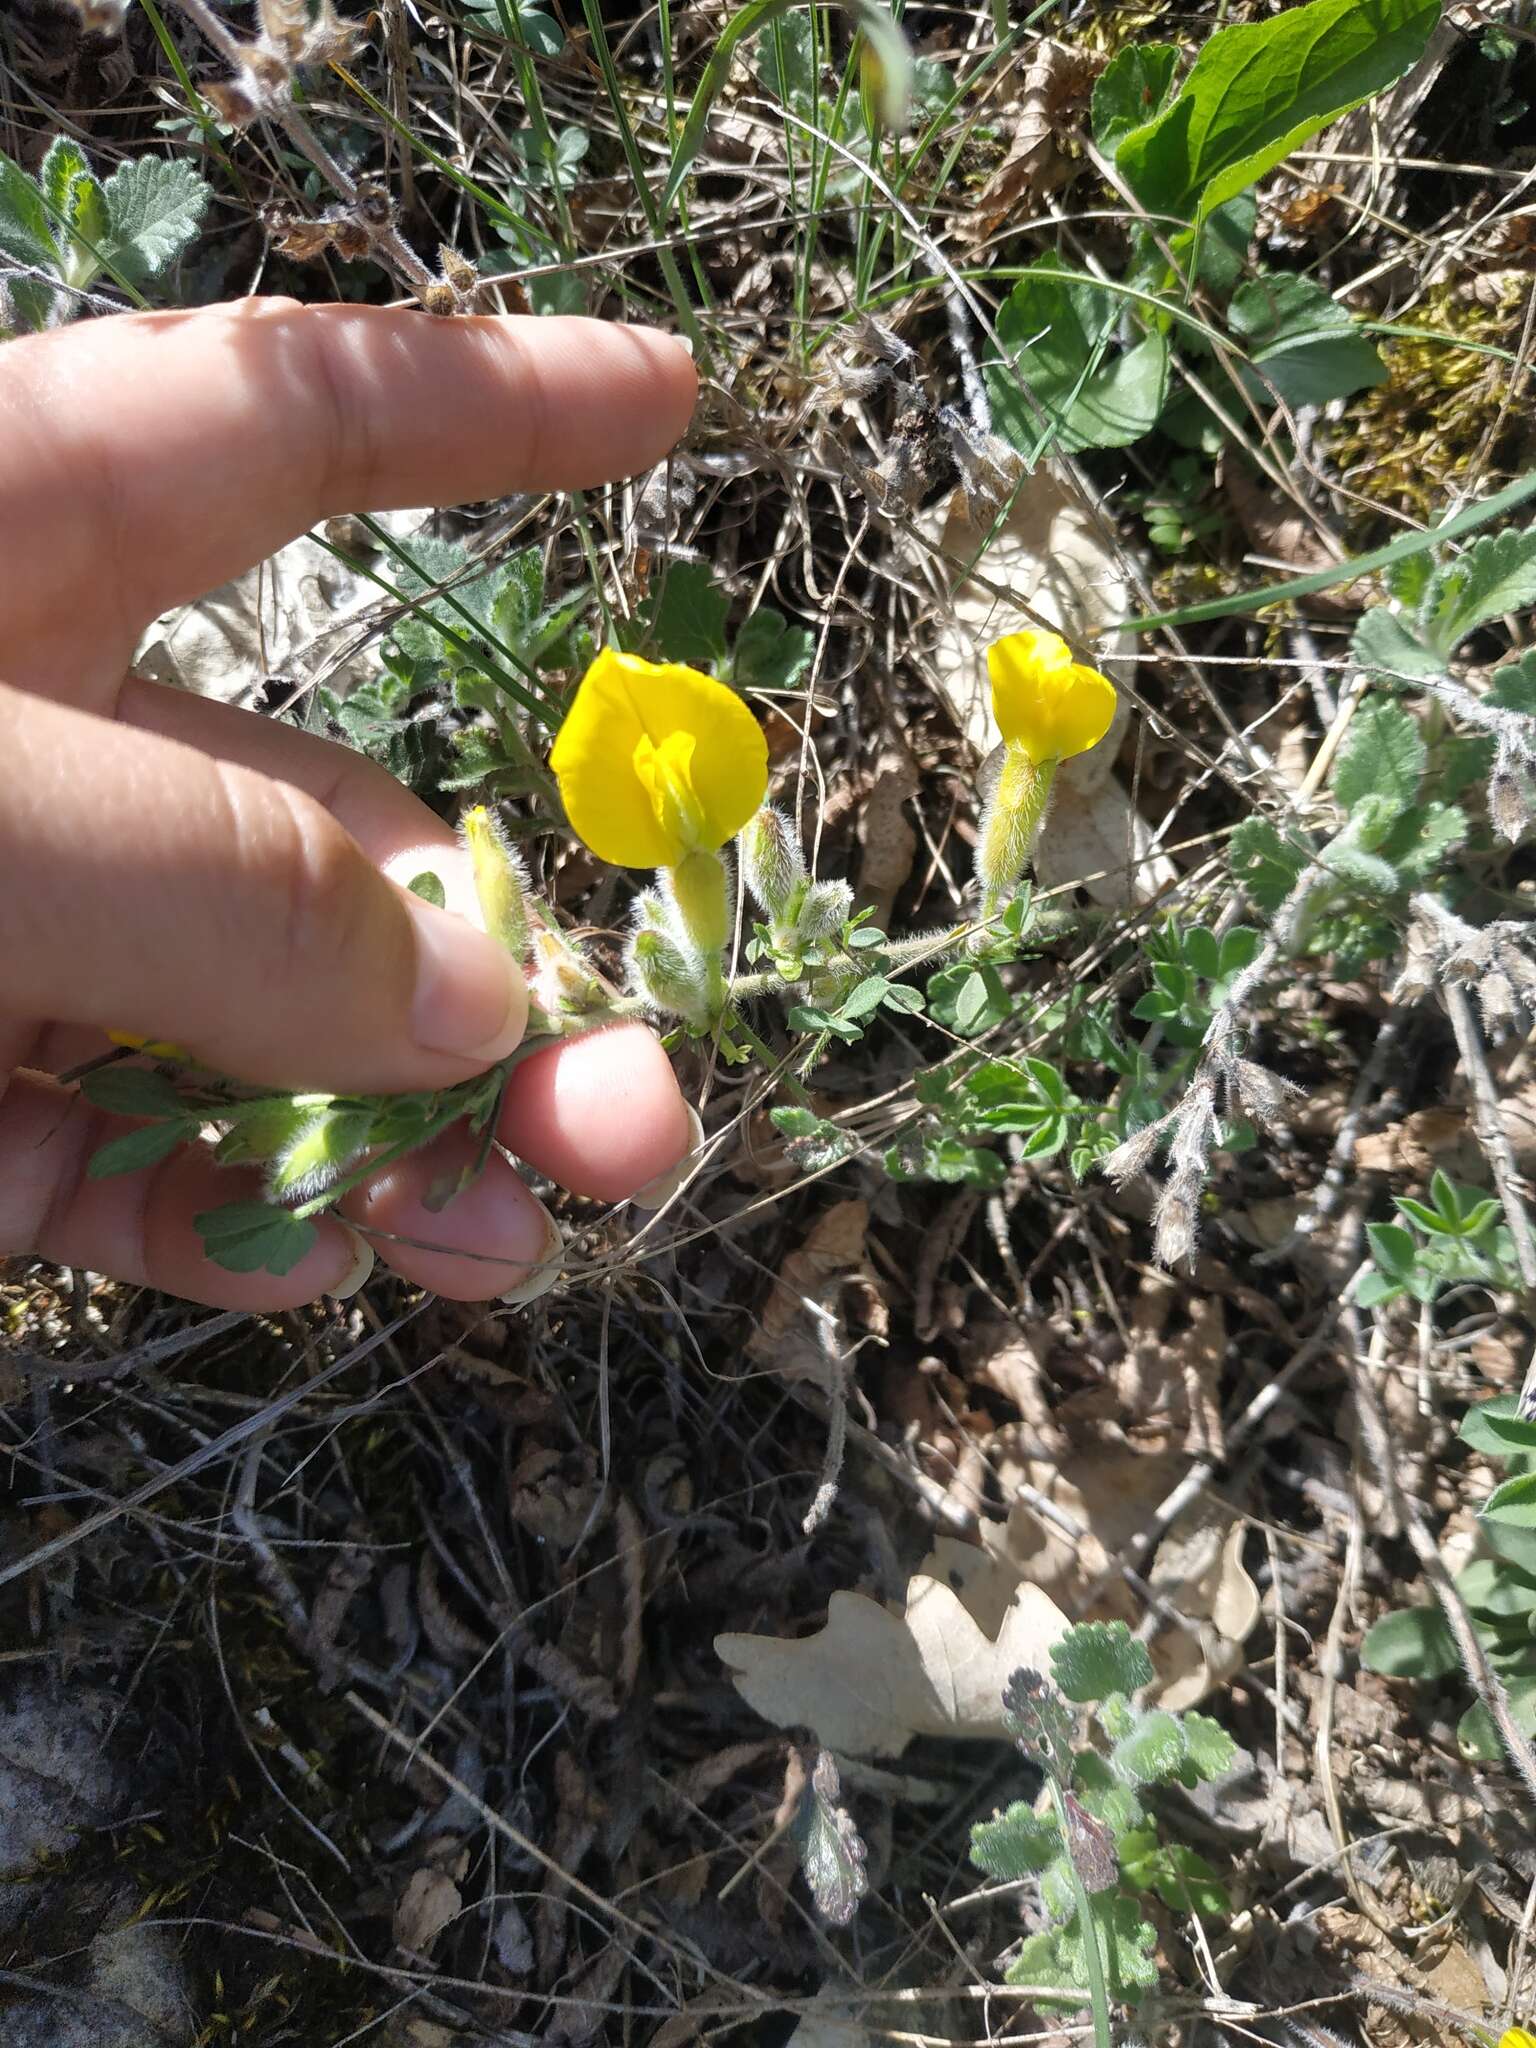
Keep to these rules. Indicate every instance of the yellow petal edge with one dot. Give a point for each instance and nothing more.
(1045, 702)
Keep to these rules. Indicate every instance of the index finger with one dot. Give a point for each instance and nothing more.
(148, 458)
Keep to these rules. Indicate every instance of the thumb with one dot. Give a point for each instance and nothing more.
(153, 889)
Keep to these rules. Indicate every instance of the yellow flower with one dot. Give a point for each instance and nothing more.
(157, 1048)
(1516, 2037)
(656, 761)
(1047, 704)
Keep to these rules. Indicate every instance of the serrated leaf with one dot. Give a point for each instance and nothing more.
(1211, 1748)
(685, 615)
(1495, 574)
(1513, 687)
(1414, 1642)
(832, 1852)
(1383, 645)
(155, 206)
(1133, 87)
(132, 1091)
(1259, 89)
(1016, 1844)
(146, 1146)
(1062, 355)
(770, 653)
(254, 1237)
(1300, 342)
(1264, 864)
(77, 197)
(26, 233)
(1497, 1427)
(1153, 1750)
(1384, 755)
(1097, 1658)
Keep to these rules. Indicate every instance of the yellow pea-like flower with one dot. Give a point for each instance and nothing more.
(1516, 2037)
(1047, 704)
(656, 761)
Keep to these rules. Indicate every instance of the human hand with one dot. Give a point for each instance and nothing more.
(175, 867)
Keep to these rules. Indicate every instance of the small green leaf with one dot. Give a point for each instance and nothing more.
(155, 206)
(1495, 574)
(1016, 1844)
(429, 887)
(1415, 1642)
(1513, 687)
(136, 1149)
(1300, 342)
(770, 653)
(1384, 646)
(1154, 1749)
(1497, 1427)
(1132, 88)
(254, 1237)
(1513, 1505)
(1478, 1735)
(132, 1091)
(1265, 865)
(1393, 1249)
(78, 199)
(1181, 1879)
(1062, 354)
(685, 615)
(1211, 1749)
(1384, 755)
(1097, 1658)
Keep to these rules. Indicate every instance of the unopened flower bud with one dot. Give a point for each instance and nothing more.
(501, 883)
(330, 1138)
(825, 909)
(772, 864)
(562, 984)
(1507, 807)
(668, 978)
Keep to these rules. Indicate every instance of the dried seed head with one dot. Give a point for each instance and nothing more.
(1176, 1221)
(1507, 806)
(1263, 1095)
(1134, 1154)
(237, 101)
(1497, 1001)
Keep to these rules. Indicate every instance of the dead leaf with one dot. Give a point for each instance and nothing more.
(430, 1900)
(886, 834)
(1053, 81)
(806, 1291)
(871, 1679)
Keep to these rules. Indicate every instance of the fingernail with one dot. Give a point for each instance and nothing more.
(470, 1000)
(659, 1191)
(360, 1268)
(546, 1269)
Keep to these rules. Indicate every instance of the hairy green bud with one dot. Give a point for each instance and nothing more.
(772, 865)
(671, 980)
(825, 908)
(501, 883)
(333, 1135)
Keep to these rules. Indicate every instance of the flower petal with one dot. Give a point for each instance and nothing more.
(624, 699)
(1045, 703)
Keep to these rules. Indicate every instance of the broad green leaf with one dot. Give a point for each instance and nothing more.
(1016, 1844)
(685, 615)
(1260, 89)
(1384, 755)
(1097, 1658)
(1132, 88)
(132, 1091)
(1415, 1642)
(1478, 1735)
(770, 653)
(1514, 685)
(1393, 1249)
(1495, 575)
(1384, 645)
(1211, 1748)
(1301, 342)
(155, 206)
(1060, 351)
(254, 1237)
(1497, 1590)
(135, 1149)
(1496, 1427)
(1513, 1504)
(1221, 244)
